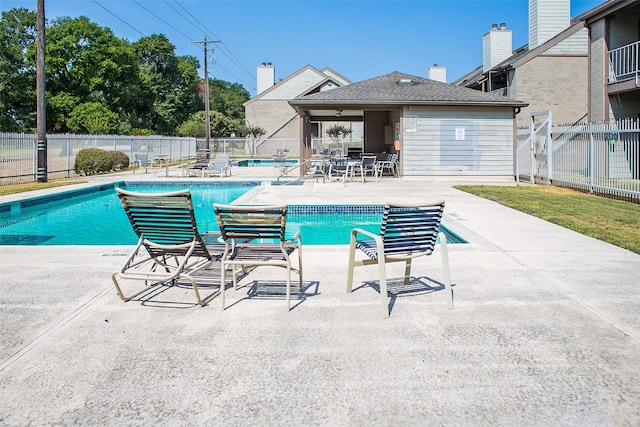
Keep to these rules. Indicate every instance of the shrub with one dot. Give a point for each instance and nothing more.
(91, 161)
(140, 132)
(120, 160)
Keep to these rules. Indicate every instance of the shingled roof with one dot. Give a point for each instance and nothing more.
(403, 89)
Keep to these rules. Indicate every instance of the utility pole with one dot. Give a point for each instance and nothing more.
(41, 117)
(207, 116)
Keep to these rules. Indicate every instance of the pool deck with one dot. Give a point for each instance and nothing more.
(545, 331)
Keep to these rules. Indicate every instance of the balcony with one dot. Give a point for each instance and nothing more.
(624, 68)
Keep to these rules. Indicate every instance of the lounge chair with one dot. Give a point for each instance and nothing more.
(141, 160)
(169, 244)
(203, 159)
(407, 232)
(389, 163)
(255, 236)
(221, 166)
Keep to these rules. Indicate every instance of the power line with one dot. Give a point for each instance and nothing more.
(165, 22)
(120, 19)
(234, 59)
(199, 24)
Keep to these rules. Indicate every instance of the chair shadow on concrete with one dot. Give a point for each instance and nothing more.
(396, 287)
(276, 290)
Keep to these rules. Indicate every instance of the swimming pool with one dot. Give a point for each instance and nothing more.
(94, 216)
(266, 162)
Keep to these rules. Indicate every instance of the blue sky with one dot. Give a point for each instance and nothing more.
(359, 39)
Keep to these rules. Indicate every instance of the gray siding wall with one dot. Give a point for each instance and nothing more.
(470, 141)
(576, 44)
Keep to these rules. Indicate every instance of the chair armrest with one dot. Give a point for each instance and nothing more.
(295, 238)
(357, 231)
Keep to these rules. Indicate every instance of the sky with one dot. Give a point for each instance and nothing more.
(358, 39)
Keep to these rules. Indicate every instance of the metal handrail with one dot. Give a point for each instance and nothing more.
(308, 161)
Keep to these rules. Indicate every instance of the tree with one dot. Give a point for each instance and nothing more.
(221, 125)
(144, 83)
(252, 137)
(228, 98)
(173, 84)
(338, 132)
(88, 63)
(17, 75)
(93, 118)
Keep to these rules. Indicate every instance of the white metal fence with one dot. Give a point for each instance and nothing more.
(18, 154)
(602, 158)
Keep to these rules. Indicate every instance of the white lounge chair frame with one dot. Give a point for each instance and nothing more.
(169, 245)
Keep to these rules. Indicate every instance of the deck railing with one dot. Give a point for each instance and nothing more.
(624, 63)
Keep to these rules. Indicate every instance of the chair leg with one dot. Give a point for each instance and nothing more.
(300, 267)
(195, 289)
(384, 294)
(407, 272)
(289, 286)
(445, 269)
(352, 257)
(223, 269)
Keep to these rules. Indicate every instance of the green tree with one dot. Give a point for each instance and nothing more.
(338, 132)
(221, 125)
(17, 75)
(93, 118)
(227, 98)
(88, 63)
(173, 84)
(252, 137)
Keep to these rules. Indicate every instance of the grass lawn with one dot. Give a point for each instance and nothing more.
(31, 186)
(609, 220)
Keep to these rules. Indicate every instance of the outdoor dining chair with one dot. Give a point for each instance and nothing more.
(406, 232)
(255, 236)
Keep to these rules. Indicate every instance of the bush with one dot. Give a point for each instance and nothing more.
(91, 161)
(120, 160)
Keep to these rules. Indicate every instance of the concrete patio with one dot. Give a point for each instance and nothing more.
(545, 331)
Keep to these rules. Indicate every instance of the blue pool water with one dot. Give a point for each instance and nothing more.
(265, 162)
(95, 217)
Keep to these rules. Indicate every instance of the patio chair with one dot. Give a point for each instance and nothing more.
(389, 163)
(406, 232)
(255, 236)
(169, 245)
(367, 166)
(221, 166)
(338, 169)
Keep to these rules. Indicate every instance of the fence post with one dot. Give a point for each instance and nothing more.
(68, 151)
(549, 148)
(590, 160)
(531, 144)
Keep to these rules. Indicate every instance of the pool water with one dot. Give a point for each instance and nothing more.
(266, 162)
(97, 218)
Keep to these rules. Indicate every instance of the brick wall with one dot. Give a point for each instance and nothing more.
(556, 83)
